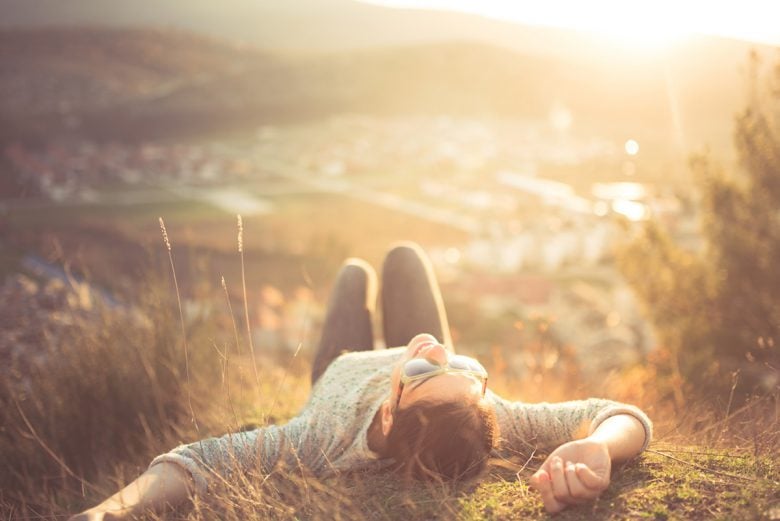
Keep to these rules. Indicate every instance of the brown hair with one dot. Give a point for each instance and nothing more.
(442, 440)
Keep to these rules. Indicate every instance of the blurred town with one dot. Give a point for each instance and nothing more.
(534, 248)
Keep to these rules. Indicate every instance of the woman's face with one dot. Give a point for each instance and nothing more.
(441, 387)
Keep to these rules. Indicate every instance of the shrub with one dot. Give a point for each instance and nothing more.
(717, 312)
(108, 388)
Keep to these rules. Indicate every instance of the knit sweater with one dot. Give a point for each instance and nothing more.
(330, 433)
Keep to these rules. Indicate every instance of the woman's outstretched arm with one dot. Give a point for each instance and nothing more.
(162, 485)
(579, 471)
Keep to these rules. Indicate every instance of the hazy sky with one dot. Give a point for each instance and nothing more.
(644, 22)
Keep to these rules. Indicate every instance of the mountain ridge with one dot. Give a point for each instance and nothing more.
(145, 77)
(314, 25)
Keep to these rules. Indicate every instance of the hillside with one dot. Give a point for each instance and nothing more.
(131, 83)
(304, 25)
(310, 25)
(66, 70)
(703, 464)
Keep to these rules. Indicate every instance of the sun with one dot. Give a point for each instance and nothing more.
(642, 24)
(638, 38)
(634, 33)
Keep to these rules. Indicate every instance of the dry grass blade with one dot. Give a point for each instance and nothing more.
(705, 469)
(231, 315)
(238, 348)
(181, 321)
(48, 450)
(281, 382)
(246, 302)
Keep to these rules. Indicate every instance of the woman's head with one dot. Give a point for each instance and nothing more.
(447, 440)
(438, 426)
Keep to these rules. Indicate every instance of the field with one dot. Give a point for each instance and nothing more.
(705, 463)
(304, 234)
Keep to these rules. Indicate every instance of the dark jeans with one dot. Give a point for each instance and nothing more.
(411, 304)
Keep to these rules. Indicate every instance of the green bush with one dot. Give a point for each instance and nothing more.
(717, 312)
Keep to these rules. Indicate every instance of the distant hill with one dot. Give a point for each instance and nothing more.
(69, 70)
(319, 25)
(307, 25)
(53, 80)
(145, 82)
(325, 56)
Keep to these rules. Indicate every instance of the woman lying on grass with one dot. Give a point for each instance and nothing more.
(419, 408)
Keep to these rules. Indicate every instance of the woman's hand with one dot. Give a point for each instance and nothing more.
(576, 472)
(99, 514)
(161, 485)
(93, 514)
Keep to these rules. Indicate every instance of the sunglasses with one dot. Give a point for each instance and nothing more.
(418, 369)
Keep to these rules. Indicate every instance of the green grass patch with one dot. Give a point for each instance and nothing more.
(698, 484)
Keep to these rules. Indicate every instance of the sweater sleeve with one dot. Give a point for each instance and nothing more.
(546, 425)
(212, 460)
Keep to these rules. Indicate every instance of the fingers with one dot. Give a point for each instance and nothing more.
(567, 486)
(578, 489)
(88, 516)
(590, 479)
(542, 482)
(561, 484)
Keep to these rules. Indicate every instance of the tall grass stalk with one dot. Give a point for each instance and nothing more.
(284, 377)
(235, 332)
(246, 302)
(232, 316)
(181, 321)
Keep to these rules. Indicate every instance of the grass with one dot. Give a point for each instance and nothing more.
(299, 222)
(83, 412)
(304, 238)
(694, 485)
(118, 395)
(667, 482)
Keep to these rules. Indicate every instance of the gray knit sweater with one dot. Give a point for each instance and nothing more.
(330, 433)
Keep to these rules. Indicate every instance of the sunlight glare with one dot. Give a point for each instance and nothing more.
(639, 24)
(560, 117)
(632, 210)
(632, 147)
(452, 255)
